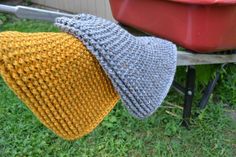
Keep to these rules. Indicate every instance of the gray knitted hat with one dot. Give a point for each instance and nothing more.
(141, 68)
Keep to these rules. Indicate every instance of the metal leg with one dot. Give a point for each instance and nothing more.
(209, 89)
(189, 94)
(179, 88)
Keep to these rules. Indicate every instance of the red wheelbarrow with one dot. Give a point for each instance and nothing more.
(184, 58)
(199, 25)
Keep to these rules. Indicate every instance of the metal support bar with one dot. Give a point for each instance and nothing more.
(209, 89)
(8, 8)
(189, 94)
(178, 87)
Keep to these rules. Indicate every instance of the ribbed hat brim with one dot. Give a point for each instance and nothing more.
(58, 79)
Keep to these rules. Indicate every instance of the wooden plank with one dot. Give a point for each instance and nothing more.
(187, 58)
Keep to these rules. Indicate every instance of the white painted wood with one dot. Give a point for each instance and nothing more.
(100, 8)
(91, 6)
(108, 10)
(95, 7)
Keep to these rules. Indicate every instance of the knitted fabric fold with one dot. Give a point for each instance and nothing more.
(140, 68)
(58, 79)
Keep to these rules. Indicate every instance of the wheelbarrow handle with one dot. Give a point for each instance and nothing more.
(8, 9)
(32, 13)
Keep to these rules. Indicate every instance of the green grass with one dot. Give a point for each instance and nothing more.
(213, 132)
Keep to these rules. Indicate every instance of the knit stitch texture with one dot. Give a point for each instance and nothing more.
(141, 68)
(58, 79)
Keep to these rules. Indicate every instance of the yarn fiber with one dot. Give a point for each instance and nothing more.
(58, 79)
(140, 68)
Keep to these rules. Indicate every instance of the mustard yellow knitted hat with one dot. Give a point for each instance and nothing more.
(58, 79)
